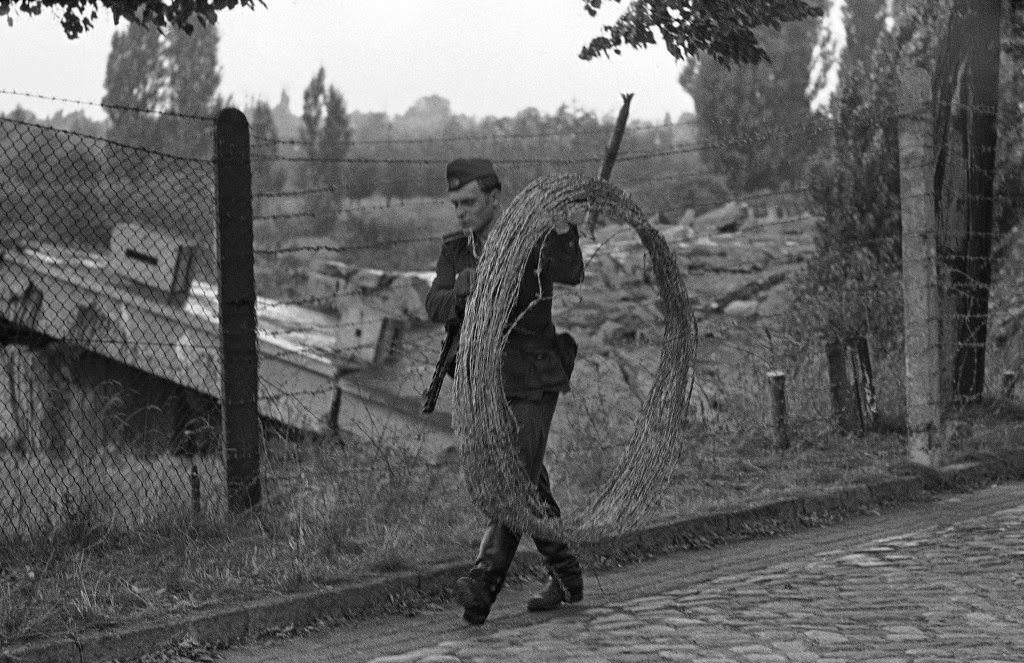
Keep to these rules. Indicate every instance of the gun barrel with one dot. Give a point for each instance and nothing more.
(430, 396)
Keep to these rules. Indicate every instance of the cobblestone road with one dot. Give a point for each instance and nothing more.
(947, 592)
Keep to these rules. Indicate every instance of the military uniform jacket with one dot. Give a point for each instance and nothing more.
(535, 360)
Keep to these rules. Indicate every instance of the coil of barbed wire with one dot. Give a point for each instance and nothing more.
(483, 422)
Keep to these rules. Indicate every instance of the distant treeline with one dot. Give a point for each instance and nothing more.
(403, 156)
(69, 181)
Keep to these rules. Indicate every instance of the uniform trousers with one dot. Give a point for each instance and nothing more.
(499, 543)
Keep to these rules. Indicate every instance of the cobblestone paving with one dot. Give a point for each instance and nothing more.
(941, 594)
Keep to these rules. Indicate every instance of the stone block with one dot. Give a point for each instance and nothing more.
(741, 308)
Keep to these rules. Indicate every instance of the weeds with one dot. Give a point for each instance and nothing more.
(108, 532)
(362, 504)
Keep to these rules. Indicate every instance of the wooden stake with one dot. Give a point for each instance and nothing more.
(777, 393)
(864, 383)
(844, 408)
(197, 502)
(611, 153)
(1009, 383)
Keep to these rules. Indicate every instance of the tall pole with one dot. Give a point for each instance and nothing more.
(611, 152)
(239, 353)
(921, 307)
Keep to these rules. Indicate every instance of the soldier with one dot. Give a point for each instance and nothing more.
(536, 366)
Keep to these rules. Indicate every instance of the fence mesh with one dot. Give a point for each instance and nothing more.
(108, 374)
(109, 404)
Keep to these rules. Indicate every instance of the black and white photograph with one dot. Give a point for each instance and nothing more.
(512, 331)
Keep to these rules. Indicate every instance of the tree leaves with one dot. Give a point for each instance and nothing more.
(722, 29)
(755, 123)
(176, 73)
(80, 15)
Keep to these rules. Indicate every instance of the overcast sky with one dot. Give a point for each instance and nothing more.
(488, 57)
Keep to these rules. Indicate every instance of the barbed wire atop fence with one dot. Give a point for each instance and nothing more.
(138, 185)
(113, 106)
(490, 137)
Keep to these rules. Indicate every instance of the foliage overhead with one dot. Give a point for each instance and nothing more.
(722, 29)
(77, 16)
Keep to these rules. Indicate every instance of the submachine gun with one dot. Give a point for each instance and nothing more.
(445, 362)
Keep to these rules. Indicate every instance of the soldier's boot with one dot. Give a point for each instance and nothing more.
(476, 592)
(565, 578)
(556, 590)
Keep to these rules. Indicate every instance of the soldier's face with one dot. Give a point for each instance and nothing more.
(474, 209)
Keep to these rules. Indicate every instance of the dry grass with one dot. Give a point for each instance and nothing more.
(332, 513)
(358, 506)
(78, 497)
(731, 458)
(113, 537)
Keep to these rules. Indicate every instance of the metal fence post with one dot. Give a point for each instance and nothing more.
(239, 354)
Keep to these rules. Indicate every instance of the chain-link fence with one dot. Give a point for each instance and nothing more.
(110, 333)
(113, 339)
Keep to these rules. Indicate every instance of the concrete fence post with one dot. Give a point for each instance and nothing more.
(239, 352)
(921, 302)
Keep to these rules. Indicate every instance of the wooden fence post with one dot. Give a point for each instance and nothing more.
(611, 152)
(837, 355)
(1009, 383)
(197, 496)
(864, 383)
(921, 306)
(853, 384)
(777, 393)
(239, 354)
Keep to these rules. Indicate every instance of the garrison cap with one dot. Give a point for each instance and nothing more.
(461, 172)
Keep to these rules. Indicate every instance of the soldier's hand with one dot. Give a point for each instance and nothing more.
(465, 281)
(563, 222)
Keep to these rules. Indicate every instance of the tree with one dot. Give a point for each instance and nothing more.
(975, 177)
(193, 76)
(327, 135)
(77, 16)
(335, 138)
(134, 79)
(266, 176)
(864, 21)
(313, 109)
(965, 92)
(859, 22)
(148, 73)
(851, 286)
(722, 29)
(370, 131)
(754, 120)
